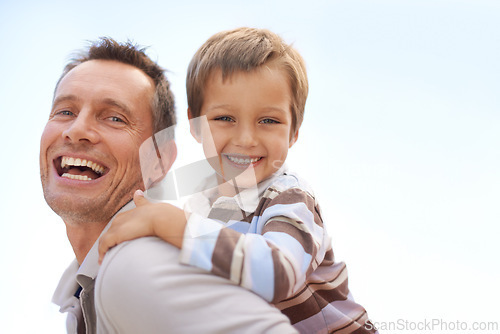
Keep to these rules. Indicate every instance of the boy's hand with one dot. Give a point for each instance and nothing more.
(147, 219)
(128, 225)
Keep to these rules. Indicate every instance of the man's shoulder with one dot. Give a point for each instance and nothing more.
(142, 260)
(142, 287)
(136, 278)
(138, 252)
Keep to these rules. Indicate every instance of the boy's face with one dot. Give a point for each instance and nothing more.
(249, 118)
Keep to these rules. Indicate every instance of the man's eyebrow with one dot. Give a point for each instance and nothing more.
(117, 104)
(64, 98)
(106, 101)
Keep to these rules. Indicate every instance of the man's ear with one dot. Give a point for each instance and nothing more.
(294, 138)
(194, 126)
(156, 155)
(168, 154)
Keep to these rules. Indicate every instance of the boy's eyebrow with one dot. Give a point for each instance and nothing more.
(229, 108)
(276, 109)
(221, 106)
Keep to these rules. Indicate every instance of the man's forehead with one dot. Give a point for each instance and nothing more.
(110, 69)
(103, 78)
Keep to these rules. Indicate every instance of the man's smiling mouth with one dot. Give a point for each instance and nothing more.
(78, 169)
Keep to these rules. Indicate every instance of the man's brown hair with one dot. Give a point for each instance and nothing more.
(162, 105)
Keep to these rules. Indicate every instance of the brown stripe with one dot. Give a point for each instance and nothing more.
(338, 293)
(297, 195)
(329, 258)
(282, 286)
(263, 204)
(304, 238)
(327, 275)
(328, 284)
(318, 300)
(304, 310)
(223, 252)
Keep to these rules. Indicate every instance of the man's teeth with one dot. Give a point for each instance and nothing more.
(243, 161)
(76, 177)
(68, 161)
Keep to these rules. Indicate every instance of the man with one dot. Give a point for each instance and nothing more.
(106, 104)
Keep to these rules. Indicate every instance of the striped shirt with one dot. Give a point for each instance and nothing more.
(271, 240)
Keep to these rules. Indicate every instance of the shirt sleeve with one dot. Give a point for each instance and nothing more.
(287, 244)
(142, 288)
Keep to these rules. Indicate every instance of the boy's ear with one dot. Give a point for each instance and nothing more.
(294, 138)
(193, 127)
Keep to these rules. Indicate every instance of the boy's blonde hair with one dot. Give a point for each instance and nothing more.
(245, 49)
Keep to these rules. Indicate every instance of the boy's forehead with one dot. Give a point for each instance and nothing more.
(225, 73)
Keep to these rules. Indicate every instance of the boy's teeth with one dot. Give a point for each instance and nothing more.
(69, 161)
(242, 161)
(77, 177)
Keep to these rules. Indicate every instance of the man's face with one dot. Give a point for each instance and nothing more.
(89, 150)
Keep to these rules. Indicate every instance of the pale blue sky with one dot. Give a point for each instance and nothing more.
(400, 139)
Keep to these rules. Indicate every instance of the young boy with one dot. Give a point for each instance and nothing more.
(252, 87)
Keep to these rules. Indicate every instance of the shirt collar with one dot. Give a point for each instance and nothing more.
(248, 199)
(82, 275)
(90, 266)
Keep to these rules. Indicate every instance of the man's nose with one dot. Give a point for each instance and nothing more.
(82, 128)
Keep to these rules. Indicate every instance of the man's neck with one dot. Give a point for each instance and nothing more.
(82, 237)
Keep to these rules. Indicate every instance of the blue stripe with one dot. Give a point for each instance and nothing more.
(261, 266)
(293, 249)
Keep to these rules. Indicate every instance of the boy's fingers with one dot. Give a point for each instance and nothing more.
(104, 245)
(139, 198)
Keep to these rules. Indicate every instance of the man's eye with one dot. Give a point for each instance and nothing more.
(116, 119)
(269, 121)
(224, 119)
(64, 113)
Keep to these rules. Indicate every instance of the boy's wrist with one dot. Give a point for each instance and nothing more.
(169, 224)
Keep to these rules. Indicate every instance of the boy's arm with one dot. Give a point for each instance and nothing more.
(146, 219)
(273, 262)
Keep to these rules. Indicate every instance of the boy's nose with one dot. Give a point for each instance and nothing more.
(82, 129)
(245, 136)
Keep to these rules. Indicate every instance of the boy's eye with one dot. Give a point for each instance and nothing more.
(224, 119)
(268, 121)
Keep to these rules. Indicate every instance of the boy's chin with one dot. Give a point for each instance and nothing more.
(243, 179)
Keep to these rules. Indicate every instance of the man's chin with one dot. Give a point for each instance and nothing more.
(78, 210)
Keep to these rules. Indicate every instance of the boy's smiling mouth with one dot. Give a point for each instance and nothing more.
(78, 168)
(242, 160)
